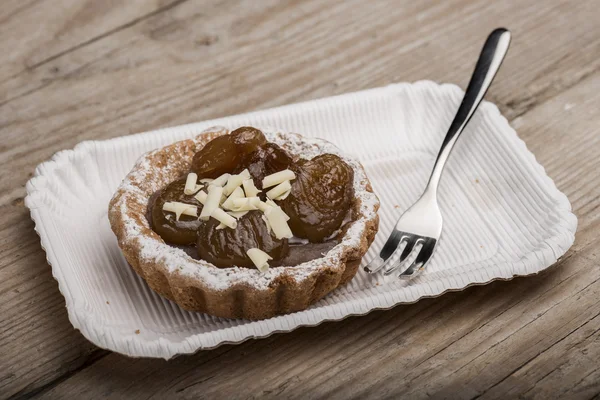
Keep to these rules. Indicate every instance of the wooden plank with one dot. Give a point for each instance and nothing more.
(46, 30)
(568, 369)
(483, 341)
(185, 63)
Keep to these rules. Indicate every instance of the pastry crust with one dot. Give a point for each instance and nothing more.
(197, 285)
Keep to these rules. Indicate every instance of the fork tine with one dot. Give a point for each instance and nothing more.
(422, 259)
(389, 248)
(391, 245)
(410, 245)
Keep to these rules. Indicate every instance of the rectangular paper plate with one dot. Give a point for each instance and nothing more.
(503, 216)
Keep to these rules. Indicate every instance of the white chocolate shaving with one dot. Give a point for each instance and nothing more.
(278, 177)
(246, 204)
(279, 190)
(221, 226)
(238, 193)
(224, 218)
(201, 196)
(262, 206)
(259, 258)
(246, 174)
(206, 180)
(180, 208)
(233, 183)
(220, 181)
(237, 214)
(250, 189)
(271, 203)
(278, 222)
(190, 184)
(283, 196)
(212, 202)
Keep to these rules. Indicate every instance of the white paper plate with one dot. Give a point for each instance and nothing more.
(502, 215)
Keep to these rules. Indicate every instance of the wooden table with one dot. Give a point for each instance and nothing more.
(79, 70)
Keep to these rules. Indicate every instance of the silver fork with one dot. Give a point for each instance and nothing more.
(421, 224)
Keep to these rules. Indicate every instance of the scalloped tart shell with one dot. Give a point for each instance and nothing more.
(197, 285)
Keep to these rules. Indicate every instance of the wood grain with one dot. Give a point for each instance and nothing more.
(93, 70)
(54, 29)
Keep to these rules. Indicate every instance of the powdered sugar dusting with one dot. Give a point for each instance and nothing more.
(148, 177)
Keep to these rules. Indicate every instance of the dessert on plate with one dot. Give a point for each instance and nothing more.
(245, 224)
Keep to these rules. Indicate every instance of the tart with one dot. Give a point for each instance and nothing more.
(245, 223)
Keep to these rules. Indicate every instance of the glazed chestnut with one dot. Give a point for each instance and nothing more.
(225, 153)
(266, 160)
(227, 247)
(182, 232)
(248, 139)
(217, 157)
(320, 198)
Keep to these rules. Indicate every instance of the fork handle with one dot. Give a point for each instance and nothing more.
(487, 66)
